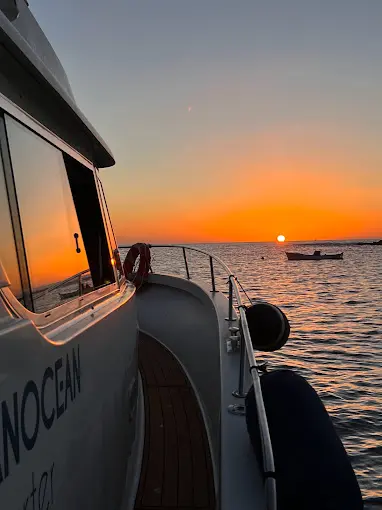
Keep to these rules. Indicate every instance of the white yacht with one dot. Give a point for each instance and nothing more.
(121, 388)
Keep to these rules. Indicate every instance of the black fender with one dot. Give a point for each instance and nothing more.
(313, 471)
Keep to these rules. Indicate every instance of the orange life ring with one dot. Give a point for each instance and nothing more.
(142, 251)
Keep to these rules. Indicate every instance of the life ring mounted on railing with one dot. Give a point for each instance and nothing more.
(142, 251)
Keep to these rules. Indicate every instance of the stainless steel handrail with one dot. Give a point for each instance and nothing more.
(41, 293)
(268, 460)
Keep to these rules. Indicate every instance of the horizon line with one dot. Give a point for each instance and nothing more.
(349, 239)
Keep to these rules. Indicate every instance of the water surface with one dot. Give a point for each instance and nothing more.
(335, 312)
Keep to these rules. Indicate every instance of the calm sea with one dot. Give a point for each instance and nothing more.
(335, 312)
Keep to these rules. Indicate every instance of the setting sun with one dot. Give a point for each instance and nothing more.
(281, 238)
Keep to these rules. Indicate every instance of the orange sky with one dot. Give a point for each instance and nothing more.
(285, 126)
(306, 183)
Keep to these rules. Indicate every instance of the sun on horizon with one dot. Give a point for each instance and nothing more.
(281, 238)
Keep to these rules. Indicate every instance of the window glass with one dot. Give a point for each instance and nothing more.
(56, 257)
(8, 255)
(111, 237)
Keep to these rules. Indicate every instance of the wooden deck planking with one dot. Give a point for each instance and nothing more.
(176, 468)
(152, 495)
(199, 465)
(185, 479)
(170, 481)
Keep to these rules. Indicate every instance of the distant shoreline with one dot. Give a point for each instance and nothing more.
(339, 243)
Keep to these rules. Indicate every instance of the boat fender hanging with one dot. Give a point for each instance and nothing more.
(313, 471)
(142, 251)
(268, 326)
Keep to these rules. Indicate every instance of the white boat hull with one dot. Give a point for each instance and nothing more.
(68, 413)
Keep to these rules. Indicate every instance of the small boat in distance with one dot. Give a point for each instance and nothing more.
(315, 256)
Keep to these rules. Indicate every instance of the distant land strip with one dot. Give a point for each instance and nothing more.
(343, 243)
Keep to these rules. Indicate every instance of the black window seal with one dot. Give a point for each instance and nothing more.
(15, 215)
(107, 220)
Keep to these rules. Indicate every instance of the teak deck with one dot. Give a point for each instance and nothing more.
(176, 468)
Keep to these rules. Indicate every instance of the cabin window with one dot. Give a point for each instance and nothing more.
(65, 251)
(84, 191)
(110, 232)
(8, 255)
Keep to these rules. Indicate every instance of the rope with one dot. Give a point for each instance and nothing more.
(243, 289)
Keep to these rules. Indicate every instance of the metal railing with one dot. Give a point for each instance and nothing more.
(233, 284)
(78, 276)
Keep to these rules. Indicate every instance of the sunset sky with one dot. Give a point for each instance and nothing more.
(231, 120)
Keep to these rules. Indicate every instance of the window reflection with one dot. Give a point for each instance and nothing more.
(115, 251)
(8, 255)
(55, 251)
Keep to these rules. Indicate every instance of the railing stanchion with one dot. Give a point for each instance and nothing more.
(230, 317)
(239, 393)
(186, 263)
(212, 274)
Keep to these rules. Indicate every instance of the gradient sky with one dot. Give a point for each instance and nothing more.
(231, 120)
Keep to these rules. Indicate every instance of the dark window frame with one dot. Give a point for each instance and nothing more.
(15, 216)
(75, 176)
(109, 232)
